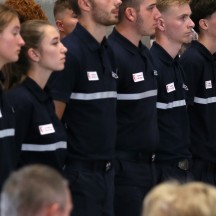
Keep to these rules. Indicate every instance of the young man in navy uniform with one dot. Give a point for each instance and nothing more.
(85, 98)
(200, 71)
(137, 135)
(174, 29)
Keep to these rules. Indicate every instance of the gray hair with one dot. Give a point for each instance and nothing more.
(28, 190)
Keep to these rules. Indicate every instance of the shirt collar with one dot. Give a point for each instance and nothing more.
(87, 38)
(128, 44)
(163, 54)
(35, 89)
(205, 52)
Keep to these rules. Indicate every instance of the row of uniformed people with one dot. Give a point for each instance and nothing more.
(82, 93)
(145, 81)
(85, 99)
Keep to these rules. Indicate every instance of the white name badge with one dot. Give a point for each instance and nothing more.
(46, 129)
(170, 87)
(0, 114)
(208, 84)
(92, 76)
(137, 77)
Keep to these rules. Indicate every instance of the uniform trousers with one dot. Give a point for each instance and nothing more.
(204, 171)
(92, 187)
(179, 170)
(133, 180)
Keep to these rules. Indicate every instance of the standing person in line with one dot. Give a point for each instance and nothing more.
(38, 130)
(85, 97)
(174, 29)
(200, 71)
(137, 132)
(10, 45)
(65, 17)
(35, 190)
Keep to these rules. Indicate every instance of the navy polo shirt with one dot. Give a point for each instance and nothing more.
(136, 99)
(171, 104)
(8, 148)
(42, 136)
(200, 70)
(88, 86)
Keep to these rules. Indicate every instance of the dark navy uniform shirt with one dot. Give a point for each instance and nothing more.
(8, 149)
(88, 86)
(200, 71)
(172, 113)
(136, 99)
(42, 136)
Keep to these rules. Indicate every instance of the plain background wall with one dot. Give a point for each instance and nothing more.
(47, 6)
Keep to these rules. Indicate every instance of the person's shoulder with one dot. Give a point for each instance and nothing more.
(191, 54)
(121, 49)
(114, 41)
(19, 95)
(72, 42)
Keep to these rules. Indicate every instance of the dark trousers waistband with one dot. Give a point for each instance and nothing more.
(183, 164)
(136, 156)
(204, 164)
(90, 165)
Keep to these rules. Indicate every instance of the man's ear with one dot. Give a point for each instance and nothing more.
(54, 210)
(34, 55)
(130, 14)
(161, 24)
(85, 5)
(203, 24)
(60, 25)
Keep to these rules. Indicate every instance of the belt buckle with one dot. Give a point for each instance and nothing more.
(108, 166)
(153, 158)
(183, 164)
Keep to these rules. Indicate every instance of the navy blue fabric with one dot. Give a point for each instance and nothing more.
(137, 131)
(91, 124)
(200, 66)
(170, 171)
(92, 191)
(136, 118)
(173, 121)
(133, 181)
(9, 151)
(33, 108)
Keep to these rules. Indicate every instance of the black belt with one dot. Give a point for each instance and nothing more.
(90, 165)
(136, 156)
(183, 164)
(207, 165)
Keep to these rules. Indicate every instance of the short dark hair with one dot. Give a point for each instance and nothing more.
(75, 7)
(29, 189)
(128, 3)
(60, 5)
(201, 9)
